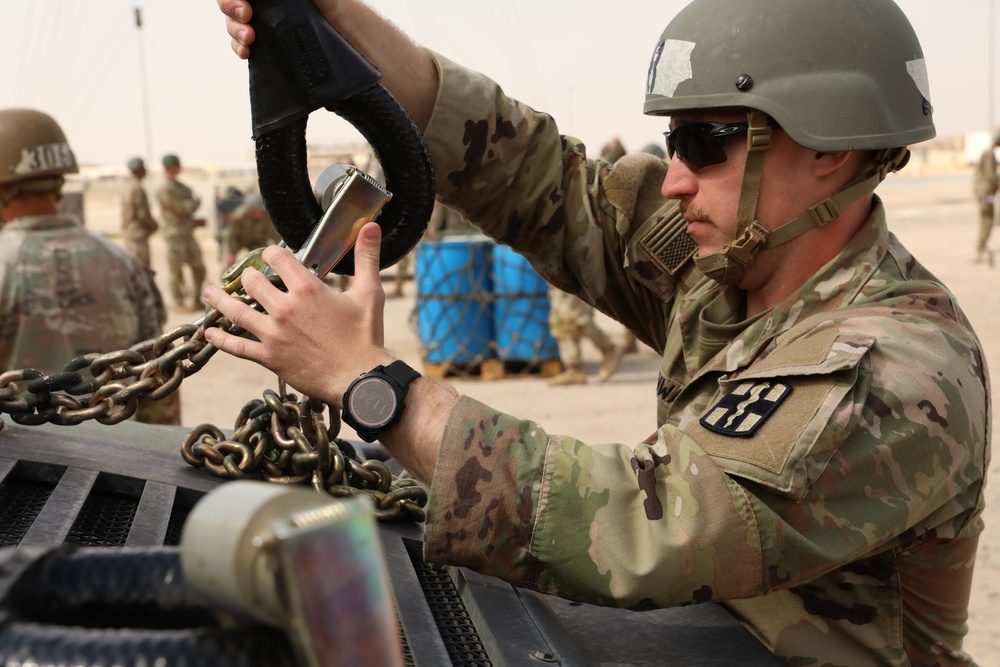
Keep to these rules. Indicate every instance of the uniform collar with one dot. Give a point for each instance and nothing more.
(831, 289)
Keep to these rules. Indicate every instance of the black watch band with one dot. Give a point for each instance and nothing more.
(374, 401)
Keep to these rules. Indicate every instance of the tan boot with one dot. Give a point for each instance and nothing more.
(568, 376)
(612, 358)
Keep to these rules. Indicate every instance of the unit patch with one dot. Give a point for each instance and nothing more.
(745, 409)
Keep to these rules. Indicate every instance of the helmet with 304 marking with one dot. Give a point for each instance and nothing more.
(33, 148)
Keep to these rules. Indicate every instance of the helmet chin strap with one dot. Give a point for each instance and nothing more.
(728, 266)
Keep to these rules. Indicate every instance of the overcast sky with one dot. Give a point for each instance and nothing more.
(82, 62)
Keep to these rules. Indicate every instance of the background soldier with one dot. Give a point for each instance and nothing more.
(64, 291)
(249, 228)
(137, 220)
(177, 205)
(985, 184)
(571, 320)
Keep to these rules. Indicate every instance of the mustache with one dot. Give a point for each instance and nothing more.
(692, 212)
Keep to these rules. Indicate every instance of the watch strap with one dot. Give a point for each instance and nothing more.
(401, 372)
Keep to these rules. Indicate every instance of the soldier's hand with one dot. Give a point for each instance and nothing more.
(315, 338)
(238, 13)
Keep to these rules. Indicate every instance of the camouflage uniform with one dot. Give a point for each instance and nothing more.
(250, 227)
(818, 468)
(66, 292)
(178, 204)
(985, 184)
(571, 319)
(137, 221)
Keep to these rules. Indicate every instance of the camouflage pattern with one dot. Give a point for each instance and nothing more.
(137, 221)
(839, 524)
(177, 205)
(250, 227)
(985, 184)
(571, 319)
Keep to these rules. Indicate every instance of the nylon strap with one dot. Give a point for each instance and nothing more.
(828, 210)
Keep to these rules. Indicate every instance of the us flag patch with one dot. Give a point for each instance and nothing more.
(745, 409)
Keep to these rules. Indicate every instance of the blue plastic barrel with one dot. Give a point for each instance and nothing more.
(454, 300)
(520, 310)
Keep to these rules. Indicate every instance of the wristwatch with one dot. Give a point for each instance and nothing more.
(375, 400)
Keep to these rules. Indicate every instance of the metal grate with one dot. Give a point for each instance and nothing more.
(20, 502)
(24, 491)
(183, 504)
(104, 520)
(460, 637)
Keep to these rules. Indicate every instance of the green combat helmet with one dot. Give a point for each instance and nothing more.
(171, 160)
(34, 154)
(135, 164)
(836, 75)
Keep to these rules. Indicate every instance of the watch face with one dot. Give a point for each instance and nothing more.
(372, 402)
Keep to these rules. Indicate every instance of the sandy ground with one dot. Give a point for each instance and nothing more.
(934, 216)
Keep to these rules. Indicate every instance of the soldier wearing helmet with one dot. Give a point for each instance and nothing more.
(137, 220)
(823, 413)
(178, 204)
(64, 291)
(985, 184)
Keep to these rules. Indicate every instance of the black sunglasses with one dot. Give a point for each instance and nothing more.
(702, 144)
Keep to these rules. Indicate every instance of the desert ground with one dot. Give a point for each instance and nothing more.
(934, 216)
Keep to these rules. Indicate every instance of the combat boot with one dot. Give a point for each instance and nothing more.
(612, 357)
(572, 375)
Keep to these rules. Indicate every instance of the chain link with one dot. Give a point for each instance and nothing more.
(279, 439)
(285, 440)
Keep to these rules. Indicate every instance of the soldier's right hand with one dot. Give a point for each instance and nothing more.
(238, 13)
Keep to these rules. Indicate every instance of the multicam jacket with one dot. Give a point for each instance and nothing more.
(137, 220)
(65, 292)
(178, 204)
(818, 468)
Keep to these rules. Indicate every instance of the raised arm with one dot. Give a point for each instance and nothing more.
(408, 71)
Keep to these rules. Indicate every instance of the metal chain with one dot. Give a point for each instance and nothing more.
(278, 439)
(117, 381)
(285, 440)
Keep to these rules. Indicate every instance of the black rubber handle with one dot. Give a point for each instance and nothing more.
(299, 63)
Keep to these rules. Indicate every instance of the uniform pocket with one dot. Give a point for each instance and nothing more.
(778, 421)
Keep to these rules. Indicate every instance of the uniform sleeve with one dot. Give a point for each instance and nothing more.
(507, 168)
(610, 525)
(867, 453)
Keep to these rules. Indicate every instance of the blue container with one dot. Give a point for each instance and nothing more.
(520, 309)
(454, 297)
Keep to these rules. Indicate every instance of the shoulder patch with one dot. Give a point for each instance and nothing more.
(746, 408)
(668, 244)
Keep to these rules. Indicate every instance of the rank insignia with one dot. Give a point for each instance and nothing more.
(745, 409)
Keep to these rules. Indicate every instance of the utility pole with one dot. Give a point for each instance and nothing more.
(142, 86)
(992, 65)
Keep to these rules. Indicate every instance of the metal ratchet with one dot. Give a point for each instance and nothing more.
(355, 198)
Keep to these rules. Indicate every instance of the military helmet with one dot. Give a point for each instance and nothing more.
(135, 164)
(171, 160)
(834, 74)
(33, 148)
(654, 149)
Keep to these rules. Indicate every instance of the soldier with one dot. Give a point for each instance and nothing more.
(823, 412)
(249, 228)
(137, 220)
(985, 184)
(64, 290)
(177, 206)
(571, 319)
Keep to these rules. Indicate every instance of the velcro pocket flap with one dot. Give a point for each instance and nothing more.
(779, 421)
